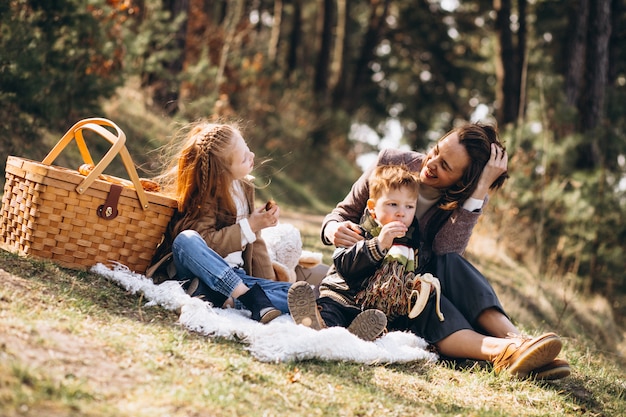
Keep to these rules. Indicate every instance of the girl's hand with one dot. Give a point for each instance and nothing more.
(496, 166)
(261, 218)
(389, 232)
(343, 234)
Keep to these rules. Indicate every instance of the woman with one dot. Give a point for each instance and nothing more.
(456, 177)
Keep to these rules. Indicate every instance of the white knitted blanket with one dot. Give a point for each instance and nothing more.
(278, 341)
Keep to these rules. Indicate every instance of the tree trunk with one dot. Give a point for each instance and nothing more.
(165, 92)
(508, 95)
(338, 49)
(197, 26)
(598, 64)
(322, 69)
(523, 61)
(275, 35)
(593, 113)
(616, 42)
(295, 38)
(591, 104)
(231, 23)
(378, 13)
(577, 52)
(343, 81)
(176, 8)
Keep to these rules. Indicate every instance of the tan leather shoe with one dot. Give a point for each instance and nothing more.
(557, 369)
(523, 355)
(302, 304)
(369, 325)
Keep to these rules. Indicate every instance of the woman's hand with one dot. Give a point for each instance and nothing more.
(260, 218)
(389, 232)
(496, 166)
(343, 234)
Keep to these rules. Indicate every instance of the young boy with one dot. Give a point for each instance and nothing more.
(388, 221)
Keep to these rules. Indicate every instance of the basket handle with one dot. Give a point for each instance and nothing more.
(117, 147)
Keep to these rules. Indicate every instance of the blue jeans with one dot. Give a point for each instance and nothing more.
(194, 258)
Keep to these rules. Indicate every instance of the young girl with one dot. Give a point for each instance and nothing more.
(214, 235)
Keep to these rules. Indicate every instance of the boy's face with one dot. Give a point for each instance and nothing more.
(394, 205)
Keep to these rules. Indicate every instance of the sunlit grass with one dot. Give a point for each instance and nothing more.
(76, 344)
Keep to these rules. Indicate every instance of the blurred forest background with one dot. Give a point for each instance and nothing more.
(320, 83)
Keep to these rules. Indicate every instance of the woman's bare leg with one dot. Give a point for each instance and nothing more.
(470, 344)
(496, 324)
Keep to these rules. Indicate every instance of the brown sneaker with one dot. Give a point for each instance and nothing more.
(523, 355)
(369, 325)
(556, 369)
(303, 306)
(269, 314)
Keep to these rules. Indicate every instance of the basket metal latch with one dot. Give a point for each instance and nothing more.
(108, 210)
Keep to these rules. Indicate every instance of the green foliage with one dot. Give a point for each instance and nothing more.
(59, 58)
(577, 216)
(154, 41)
(436, 66)
(566, 183)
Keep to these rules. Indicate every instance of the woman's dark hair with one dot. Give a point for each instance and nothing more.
(477, 139)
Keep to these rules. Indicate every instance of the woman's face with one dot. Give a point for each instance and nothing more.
(445, 164)
(242, 158)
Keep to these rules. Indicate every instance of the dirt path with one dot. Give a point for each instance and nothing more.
(308, 223)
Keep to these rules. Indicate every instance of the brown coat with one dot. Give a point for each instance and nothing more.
(225, 240)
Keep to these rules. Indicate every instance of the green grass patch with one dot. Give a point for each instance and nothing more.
(74, 344)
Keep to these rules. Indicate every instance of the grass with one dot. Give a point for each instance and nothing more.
(75, 344)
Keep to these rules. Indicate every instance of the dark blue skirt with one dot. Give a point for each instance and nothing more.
(465, 294)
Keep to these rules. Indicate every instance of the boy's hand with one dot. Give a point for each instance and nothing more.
(389, 232)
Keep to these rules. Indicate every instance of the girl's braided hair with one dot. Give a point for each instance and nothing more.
(200, 175)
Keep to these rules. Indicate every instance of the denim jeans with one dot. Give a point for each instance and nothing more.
(194, 258)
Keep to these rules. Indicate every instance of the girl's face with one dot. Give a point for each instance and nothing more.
(394, 205)
(445, 164)
(242, 160)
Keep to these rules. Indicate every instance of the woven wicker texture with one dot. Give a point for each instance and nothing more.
(44, 216)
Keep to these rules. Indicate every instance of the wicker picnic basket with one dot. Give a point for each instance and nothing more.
(80, 220)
